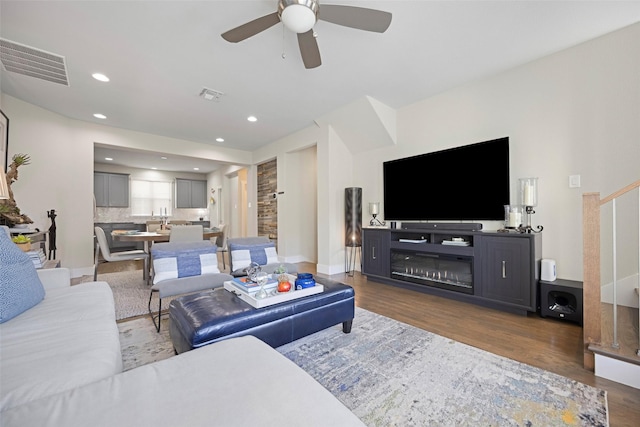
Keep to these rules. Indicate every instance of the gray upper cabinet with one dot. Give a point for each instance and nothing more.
(111, 189)
(191, 193)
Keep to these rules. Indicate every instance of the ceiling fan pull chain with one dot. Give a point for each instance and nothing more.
(284, 55)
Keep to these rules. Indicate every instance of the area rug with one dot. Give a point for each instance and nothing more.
(393, 374)
(130, 293)
(141, 344)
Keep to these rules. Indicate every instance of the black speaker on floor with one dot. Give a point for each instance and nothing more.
(561, 299)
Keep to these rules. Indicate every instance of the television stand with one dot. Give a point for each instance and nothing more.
(497, 270)
(469, 226)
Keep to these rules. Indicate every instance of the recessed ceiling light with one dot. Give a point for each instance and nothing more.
(154, 169)
(101, 77)
(108, 158)
(99, 116)
(252, 118)
(196, 169)
(220, 139)
(163, 158)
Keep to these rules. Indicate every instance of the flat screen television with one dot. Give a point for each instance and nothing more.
(467, 183)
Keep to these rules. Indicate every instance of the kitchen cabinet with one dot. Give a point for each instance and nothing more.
(111, 189)
(191, 194)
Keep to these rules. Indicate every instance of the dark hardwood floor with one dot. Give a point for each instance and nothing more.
(546, 343)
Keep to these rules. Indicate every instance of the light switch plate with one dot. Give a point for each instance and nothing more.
(574, 181)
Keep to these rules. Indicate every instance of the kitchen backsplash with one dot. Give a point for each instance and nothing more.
(124, 215)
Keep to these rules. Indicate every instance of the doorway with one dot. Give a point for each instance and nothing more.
(267, 204)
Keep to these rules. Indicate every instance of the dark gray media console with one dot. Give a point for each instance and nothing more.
(497, 270)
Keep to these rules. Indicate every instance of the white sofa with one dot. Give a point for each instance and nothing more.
(237, 382)
(67, 340)
(60, 365)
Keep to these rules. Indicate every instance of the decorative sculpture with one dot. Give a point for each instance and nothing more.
(9, 212)
(52, 233)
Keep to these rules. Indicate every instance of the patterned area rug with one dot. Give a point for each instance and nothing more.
(393, 374)
(141, 344)
(130, 293)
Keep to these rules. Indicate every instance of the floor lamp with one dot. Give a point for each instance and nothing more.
(353, 226)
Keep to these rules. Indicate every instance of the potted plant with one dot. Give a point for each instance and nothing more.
(23, 242)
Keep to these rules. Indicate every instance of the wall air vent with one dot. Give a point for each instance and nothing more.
(28, 61)
(211, 95)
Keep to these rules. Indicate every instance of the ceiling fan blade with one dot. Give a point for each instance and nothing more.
(309, 50)
(355, 17)
(251, 28)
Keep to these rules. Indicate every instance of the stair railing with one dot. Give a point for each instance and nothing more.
(591, 211)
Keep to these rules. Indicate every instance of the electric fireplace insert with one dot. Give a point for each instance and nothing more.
(450, 272)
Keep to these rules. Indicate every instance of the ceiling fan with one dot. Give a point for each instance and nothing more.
(300, 16)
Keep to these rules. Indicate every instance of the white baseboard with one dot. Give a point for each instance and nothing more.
(295, 259)
(617, 370)
(331, 269)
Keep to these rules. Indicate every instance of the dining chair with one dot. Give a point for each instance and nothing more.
(153, 225)
(221, 242)
(102, 247)
(186, 233)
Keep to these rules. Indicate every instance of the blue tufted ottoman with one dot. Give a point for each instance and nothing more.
(204, 318)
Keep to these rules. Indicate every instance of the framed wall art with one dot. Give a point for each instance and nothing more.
(4, 141)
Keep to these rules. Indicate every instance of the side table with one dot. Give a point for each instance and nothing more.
(561, 299)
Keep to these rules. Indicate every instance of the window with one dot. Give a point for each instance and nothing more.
(151, 198)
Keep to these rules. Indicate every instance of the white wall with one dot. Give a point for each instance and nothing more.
(60, 175)
(300, 178)
(574, 112)
(297, 207)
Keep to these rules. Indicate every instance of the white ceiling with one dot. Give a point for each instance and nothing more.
(161, 54)
(145, 160)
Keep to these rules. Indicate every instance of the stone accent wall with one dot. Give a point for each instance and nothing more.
(267, 206)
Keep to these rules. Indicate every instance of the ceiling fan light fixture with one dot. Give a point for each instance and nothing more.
(298, 16)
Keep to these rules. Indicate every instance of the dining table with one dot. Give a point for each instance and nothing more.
(150, 237)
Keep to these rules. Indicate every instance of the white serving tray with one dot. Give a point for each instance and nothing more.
(274, 299)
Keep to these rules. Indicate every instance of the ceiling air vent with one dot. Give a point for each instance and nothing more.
(21, 59)
(211, 95)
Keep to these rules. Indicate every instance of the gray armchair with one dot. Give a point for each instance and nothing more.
(245, 250)
(199, 264)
